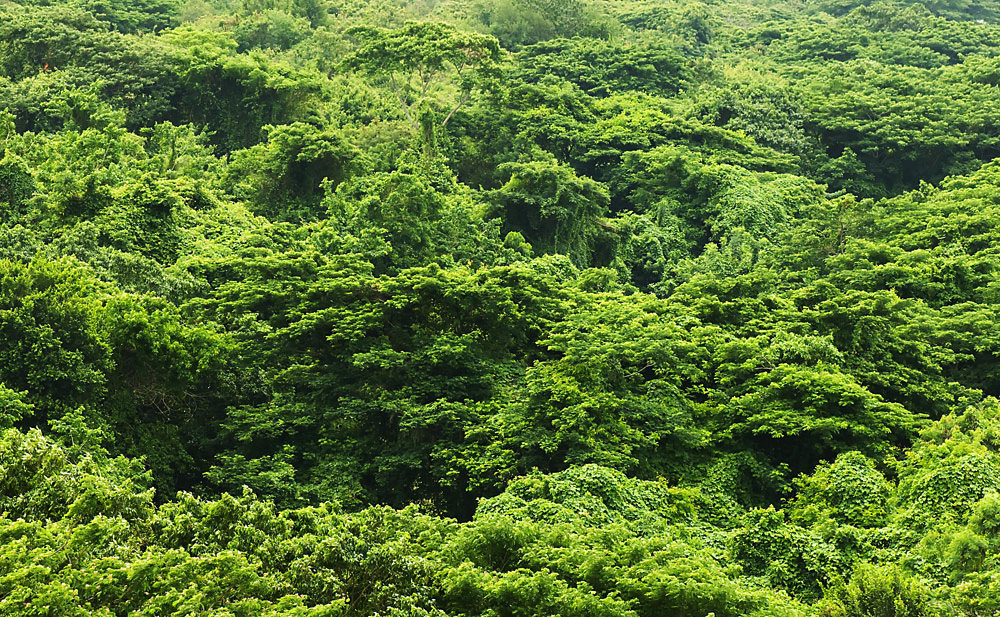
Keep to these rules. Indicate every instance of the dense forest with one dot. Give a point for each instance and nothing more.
(500, 308)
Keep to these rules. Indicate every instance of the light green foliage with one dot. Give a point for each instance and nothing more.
(414, 58)
(284, 177)
(554, 209)
(54, 346)
(42, 482)
(234, 94)
(955, 467)
(850, 491)
(517, 23)
(787, 556)
(316, 11)
(13, 407)
(497, 308)
(955, 9)
(240, 554)
(613, 393)
(879, 592)
(600, 496)
(271, 30)
(691, 26)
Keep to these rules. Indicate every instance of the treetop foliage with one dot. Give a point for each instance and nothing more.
(617, 308)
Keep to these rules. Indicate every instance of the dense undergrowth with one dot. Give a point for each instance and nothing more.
(499, 308)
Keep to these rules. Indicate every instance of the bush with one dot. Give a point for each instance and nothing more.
(875, 591)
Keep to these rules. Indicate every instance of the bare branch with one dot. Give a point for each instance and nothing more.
(461, 102)
(402, 101)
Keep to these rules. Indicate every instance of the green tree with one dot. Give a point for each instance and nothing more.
(517, 23)
(602, 67)
(879, 592)
(412, 60)
(284, 178)
(556, 210)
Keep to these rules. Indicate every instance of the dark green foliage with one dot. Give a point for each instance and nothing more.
(554, 209)
(234, 95)
(16, 186)
(600, 68)
(54, 347)
(758, 107)
(284, 177)
(133, 16)
(456, 308)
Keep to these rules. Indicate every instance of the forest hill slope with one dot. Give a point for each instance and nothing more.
(499, 307)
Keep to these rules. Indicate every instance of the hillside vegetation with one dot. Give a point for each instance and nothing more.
(500, 308)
